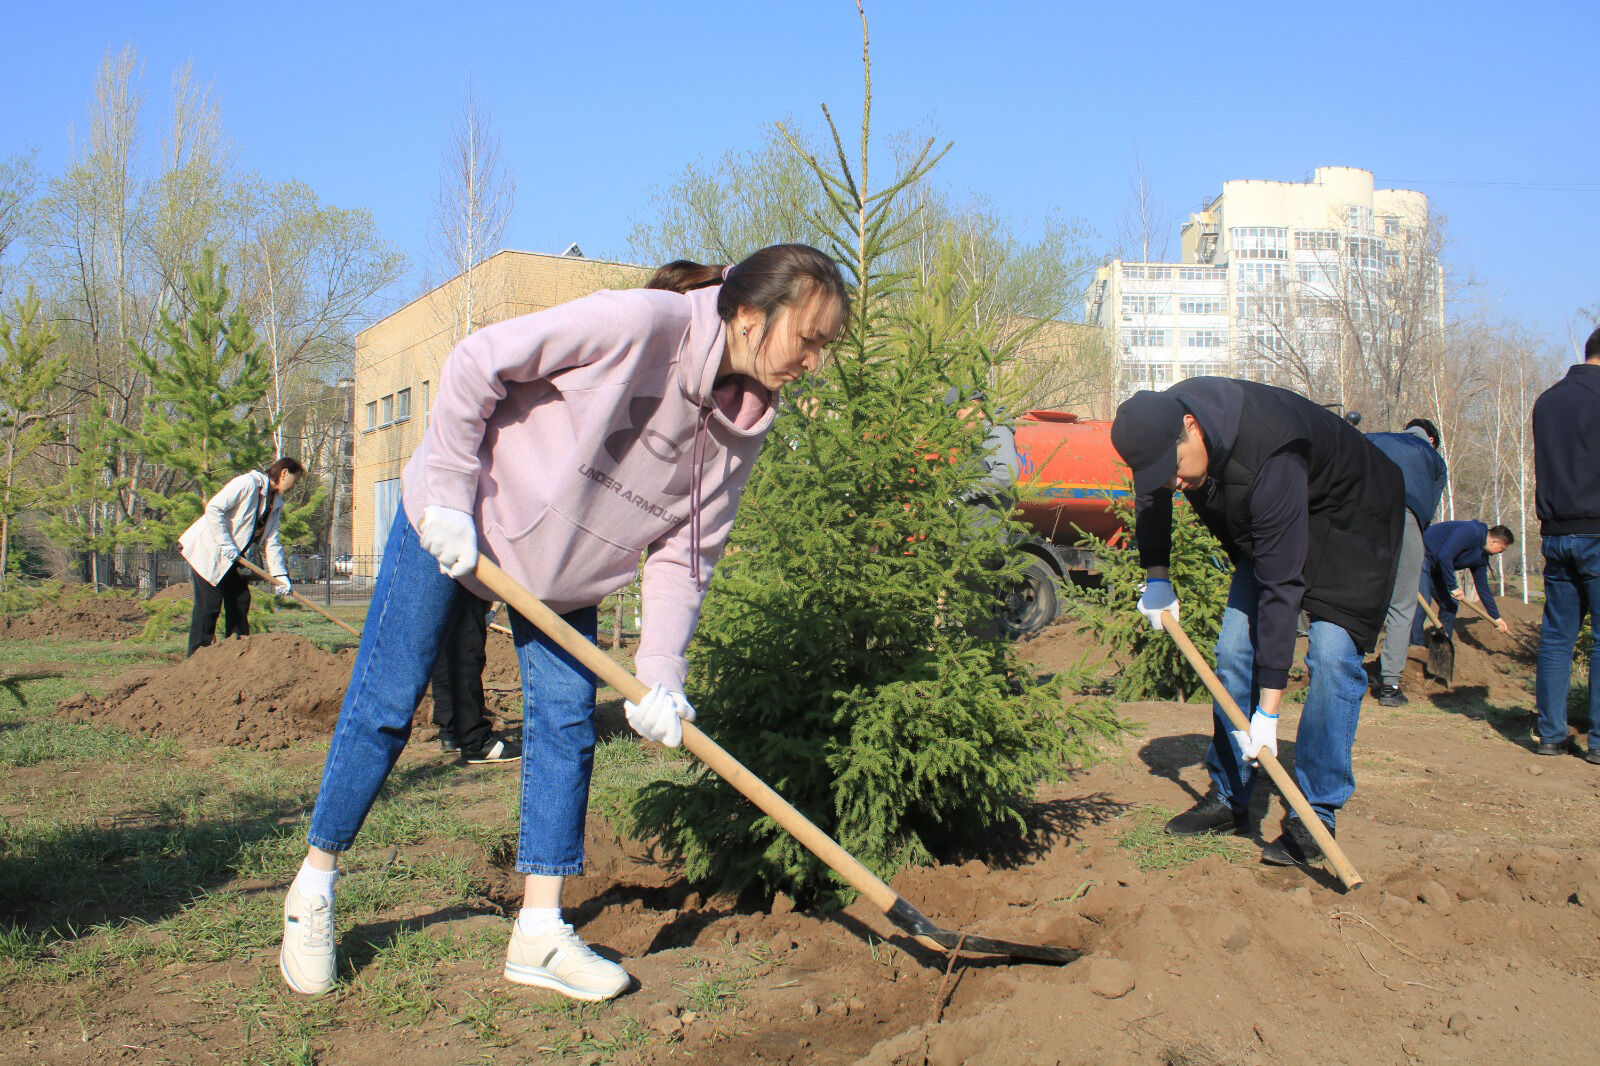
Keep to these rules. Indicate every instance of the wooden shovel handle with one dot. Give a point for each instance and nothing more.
(1427, 609)
(1476, 606)
(301, 600)
(1269, 762)
(703, 747)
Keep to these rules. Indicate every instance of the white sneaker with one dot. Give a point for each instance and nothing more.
(307, 959)
(559, 960)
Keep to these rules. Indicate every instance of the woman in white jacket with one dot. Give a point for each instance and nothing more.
(246, 512)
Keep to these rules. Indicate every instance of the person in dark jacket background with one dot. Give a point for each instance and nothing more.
(1566, 462)
(1311, 515)
(1416, 453)
(1453, 546)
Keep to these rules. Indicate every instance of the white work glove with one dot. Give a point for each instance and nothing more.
(451, 537)
(660, 715)
(230, 552)
(1155, 596)
(1263, 734)
(282, 588)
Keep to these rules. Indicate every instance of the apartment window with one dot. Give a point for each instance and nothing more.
(1317, 273)
(1358, 218)
(1202, 274)
(372, 414)
(1158, 273)
(1133, 272)
(1134, 304)
(1316, 240)
(1259, 242)
(402, 405)
(424, 405)
(1391, 226)
(1202, 338)
(1206, 305)
(1147, 338)
(1261, 273)
(386, 410)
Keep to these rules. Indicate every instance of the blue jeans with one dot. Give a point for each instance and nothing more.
(1444, 605)
(1571, 591)
(1328, 721)
(412, 604)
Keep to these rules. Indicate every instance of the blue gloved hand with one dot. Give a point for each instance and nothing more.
(1155, 596)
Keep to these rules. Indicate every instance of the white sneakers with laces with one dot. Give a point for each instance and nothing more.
(558, 960)
(308, 960)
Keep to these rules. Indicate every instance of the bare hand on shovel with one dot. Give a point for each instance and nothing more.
(1269, 762)
(821, 845)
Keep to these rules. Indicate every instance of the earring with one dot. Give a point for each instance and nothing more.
(746, 331)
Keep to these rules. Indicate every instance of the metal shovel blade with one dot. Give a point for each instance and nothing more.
(1441, 657)
(916, 923)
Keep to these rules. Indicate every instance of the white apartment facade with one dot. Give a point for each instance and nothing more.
(1278, 281)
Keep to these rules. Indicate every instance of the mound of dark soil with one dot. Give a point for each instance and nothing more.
(82, 616)
(262, 691)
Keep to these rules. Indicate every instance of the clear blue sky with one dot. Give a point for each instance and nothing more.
(1489, 109)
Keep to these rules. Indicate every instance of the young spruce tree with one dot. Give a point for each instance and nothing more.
(203, 421)
(838, 654)
(30, 370)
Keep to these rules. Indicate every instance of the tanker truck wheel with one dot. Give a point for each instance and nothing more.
(1033, 604)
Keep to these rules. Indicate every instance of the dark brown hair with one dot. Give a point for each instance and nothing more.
(280, 465)
(776, 277)
(1502, 533)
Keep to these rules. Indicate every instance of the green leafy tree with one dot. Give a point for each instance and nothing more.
(203, 421)
(29, 374)
(839, 652)
(1153, 667)
(87, 493)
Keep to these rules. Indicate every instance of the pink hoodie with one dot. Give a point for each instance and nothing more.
(580, 436)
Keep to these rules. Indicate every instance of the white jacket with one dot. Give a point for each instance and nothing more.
(229, 516)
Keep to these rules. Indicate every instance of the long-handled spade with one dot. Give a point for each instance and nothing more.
(821, 845)
(1269, 762)
(1441, 649)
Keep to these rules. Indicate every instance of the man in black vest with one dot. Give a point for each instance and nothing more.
(1311, 515)
(1566, 462)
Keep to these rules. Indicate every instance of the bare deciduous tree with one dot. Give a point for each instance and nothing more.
(476, 194)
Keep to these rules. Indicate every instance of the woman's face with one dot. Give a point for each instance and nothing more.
(284, 483)
(788, 347)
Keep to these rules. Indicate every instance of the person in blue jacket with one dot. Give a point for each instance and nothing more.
(1453, 546)
(1416, 453)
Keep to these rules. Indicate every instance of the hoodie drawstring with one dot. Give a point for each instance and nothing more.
(697, 458)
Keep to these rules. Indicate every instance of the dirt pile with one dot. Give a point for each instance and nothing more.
(264, 691)
(79, 616)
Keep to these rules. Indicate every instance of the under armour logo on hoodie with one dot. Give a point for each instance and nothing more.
(637, 432)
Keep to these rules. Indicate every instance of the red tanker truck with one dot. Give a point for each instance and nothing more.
(1068, 475)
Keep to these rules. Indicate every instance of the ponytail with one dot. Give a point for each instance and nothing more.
(682, 275)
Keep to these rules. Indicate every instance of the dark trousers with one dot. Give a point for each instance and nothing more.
(230, 598)
(458, 706)
(1444, 605)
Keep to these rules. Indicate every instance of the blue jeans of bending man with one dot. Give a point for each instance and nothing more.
(1571, 593)
(1327, 733)
(412, 605)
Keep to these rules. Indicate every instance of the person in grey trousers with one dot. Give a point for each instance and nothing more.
(1416, 453)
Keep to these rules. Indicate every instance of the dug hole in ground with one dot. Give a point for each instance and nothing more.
(1476, 938)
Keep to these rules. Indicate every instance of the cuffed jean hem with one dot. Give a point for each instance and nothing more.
(542, 870)
(325, 844)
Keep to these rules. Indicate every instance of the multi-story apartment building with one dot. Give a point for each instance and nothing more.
(1300, 283)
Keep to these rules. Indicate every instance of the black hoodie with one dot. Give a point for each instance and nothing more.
(1301, 497)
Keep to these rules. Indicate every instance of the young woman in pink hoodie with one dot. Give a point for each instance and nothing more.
(563, 445)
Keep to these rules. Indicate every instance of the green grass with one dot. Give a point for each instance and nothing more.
(1154, 848)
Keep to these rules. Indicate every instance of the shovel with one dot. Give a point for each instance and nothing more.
(821, 845)
(347, 627)
(1269, 762)
(1441, 649)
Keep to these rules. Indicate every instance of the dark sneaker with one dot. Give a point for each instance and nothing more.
(495, 749)
(1210, 815)
(1295, 847)
(1592, 755)
(1391, 696)
(1558, 748)
(448, 744)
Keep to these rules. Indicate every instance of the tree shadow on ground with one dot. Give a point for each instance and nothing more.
(148, 864)
(1049, 824)
(1513, 722)
(1169, 756)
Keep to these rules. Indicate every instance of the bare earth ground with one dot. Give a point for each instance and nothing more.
(1476, 938)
